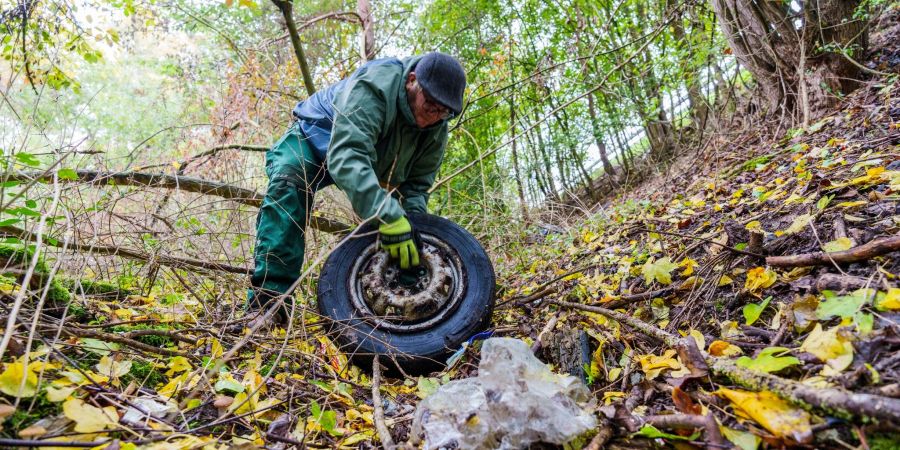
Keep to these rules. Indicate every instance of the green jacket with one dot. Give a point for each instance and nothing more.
(375, 145)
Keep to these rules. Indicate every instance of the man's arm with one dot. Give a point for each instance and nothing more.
(415, 189)
(359, 115)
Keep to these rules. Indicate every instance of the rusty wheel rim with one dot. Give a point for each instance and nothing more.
(395, 301)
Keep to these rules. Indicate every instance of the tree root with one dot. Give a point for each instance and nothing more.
(830, 401)
(863, 252)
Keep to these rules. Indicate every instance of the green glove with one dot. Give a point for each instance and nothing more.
(397, 239)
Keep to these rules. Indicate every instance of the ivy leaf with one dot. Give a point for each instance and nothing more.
(658, 270)
(752, 311)
(769, 360)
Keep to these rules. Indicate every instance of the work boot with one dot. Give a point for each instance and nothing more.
(258, 302)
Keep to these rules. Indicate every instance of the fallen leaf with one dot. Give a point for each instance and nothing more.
(889, 301)
(752, 311)
(832, 347)
(653, 365)
(658, 270)
(18, 381)
(798, 224)
(32, 432)
(769, 360)
(89, 418)
(6, 411)
(688, 264)
(759, 278)
(838, 245)
(844, 305)
(649, 431)
(804, 311)
(112, 368)
(178, 364)
(744, 440)
(770, 411)
(722, 348)
(56, 395)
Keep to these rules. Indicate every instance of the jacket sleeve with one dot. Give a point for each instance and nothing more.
(359, 117)
(415, 189)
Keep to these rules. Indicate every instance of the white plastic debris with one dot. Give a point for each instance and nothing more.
(514, 401)
(148, 407)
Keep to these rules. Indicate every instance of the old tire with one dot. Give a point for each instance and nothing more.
(417, 347)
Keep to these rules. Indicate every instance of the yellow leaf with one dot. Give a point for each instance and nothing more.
(609, 396)
(722, 348)
(770, 411)
(831, 347)
(725, 280)
(798, 224)
(19, 381)
(852, 204)
(111, 368)
(177, 364)
(698, 339)
(55, 394)
(838, 245)
(754, 226)
(688, 265)
(659, 270)
(890, 301)
(614, 374)
(760, 278)
(653, 365)
(89, 418)
(588, 236)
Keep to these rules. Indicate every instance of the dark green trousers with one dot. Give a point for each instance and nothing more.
(295, 174)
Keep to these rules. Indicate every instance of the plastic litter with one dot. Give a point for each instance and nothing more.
(514, 401)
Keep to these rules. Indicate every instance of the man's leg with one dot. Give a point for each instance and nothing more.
(294, 175)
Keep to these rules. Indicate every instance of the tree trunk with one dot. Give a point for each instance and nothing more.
(286, 8)
(367, 34)
(764, 40)
(598, 136)
(515, 159)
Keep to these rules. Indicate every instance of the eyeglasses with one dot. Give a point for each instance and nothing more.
(435, 107)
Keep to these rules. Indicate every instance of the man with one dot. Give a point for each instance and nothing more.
(379, 135)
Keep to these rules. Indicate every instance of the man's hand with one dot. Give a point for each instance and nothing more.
(397, 239)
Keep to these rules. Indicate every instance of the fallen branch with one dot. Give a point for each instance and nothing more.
(830, 401)
(384, 434)
(181, 183)
(110, 337)
(690, 421)
(869, 250)
(172, 261)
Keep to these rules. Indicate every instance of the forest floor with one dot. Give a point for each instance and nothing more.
(714, 318)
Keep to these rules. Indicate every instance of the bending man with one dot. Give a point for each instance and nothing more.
(379, 135)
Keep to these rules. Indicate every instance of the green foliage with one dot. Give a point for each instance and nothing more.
(27, 414)
(144, 374)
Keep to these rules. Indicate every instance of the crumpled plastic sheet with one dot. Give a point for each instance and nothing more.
(515, 401)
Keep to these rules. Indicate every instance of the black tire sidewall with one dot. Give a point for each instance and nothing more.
(416, 351)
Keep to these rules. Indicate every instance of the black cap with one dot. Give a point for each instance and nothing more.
(443, 78)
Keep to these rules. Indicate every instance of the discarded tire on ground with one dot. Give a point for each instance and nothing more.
(416, 318)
